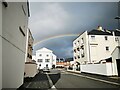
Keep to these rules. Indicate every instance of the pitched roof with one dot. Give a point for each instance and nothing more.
(117, 33)
(44, 50)
(98, 32)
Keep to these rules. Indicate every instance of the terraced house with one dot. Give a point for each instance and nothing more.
(96, 47)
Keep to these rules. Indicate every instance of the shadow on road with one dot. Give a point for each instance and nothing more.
(55, 77)
(40, 81)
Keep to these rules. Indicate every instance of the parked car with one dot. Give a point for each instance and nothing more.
(46, 69)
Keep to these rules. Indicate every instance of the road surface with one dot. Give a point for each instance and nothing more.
(60, 79)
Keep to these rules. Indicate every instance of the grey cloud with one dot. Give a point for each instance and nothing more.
(51, 19)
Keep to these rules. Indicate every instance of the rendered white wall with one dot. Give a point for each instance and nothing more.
(101, 52)
(0, 46)
(43, 64)
(86, 48)
(115, 55)
(30, 70)
(102, 69)
(13, 66)
(13, 50)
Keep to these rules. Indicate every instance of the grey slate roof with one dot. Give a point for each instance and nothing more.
(98, 32)
(117, 33)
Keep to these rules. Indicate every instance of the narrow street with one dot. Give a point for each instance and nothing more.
(60, 79)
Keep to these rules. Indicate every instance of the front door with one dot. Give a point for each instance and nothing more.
(118, 66)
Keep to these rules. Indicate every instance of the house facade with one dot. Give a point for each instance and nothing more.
(14, 29)
(30, 66)
(45, 58)
(95, 46)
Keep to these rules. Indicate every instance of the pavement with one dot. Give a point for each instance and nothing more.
(107, 78)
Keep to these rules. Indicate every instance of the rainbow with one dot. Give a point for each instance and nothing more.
(52, 37)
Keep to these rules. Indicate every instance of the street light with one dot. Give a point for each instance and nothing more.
(118, 18)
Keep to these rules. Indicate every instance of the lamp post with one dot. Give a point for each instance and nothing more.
(118, 18)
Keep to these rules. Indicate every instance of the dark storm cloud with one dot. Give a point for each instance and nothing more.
(51, 19)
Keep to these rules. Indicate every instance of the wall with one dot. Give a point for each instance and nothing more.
(86, 49)
(100, 43)
(115, 55)
(43, 57)
(54, 59)
(102, 69)
(31, 70)
(13, 44)
(0, 46)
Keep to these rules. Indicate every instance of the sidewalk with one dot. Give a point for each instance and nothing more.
(102, 77)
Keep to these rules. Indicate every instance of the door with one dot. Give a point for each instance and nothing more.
(118, 66)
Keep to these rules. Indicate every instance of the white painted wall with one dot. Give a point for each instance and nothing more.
(0, 46)
(33, 57)
(30, 70)
(102, 69)
(86, 49)
(13, 42)
(115, 55)
(54, 59)
(100, 51)
(44, 52)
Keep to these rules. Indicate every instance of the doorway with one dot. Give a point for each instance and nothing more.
(118, 66)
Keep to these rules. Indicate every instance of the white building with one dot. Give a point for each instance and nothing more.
(30, 66)
(95, 46)
(14, 27)
(45, 58)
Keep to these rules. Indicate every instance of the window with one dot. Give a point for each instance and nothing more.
(107, 48)
(75, 50)
(75, 57)
(21, 30)
(93, 37)
(78, 56)
(47, 55)
(40, 55)
(40, 60)
(116, 39)
(106, 38)
(82, 53)
(82, 41)
(78, 49)
(5, 3)
(47, 60)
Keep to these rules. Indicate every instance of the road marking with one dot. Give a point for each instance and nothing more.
(28, 84)
(53, 86)
(51, 83)
(105, 81)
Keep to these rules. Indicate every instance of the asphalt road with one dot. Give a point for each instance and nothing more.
(69, 80)
(62, 80)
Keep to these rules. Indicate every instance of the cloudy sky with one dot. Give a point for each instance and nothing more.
(55, 25)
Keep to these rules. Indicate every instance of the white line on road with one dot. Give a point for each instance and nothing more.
(105, 81)
(51, 83)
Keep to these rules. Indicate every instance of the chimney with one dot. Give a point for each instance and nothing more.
(100, 28)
